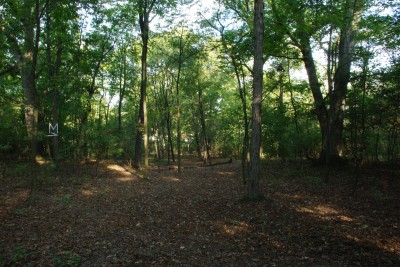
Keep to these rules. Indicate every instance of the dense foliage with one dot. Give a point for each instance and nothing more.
(78, 65)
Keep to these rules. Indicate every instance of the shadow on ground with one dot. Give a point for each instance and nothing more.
(106, 214)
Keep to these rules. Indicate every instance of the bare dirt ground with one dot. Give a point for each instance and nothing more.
(105, 214)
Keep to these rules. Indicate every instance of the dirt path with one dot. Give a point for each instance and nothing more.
(111, 217)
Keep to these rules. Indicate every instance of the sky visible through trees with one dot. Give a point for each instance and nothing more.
(329, 80)
(181, 132)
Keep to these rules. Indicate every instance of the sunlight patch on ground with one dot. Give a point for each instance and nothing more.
(41, 161)
(125, 176)
(270, 239)
(115, 167)
(324, 212)
(353, 238)
(124, 179)
(391, 245)
(292, 196)
(345, 218)
(88, 192)
(234, 227)
(225, 173)
(172, 179)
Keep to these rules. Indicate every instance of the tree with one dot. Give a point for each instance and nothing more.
(253, 188)
(235, 52)
(145, 9)
(25, 16)
(54, 48)
(304, 20)
(332, 143)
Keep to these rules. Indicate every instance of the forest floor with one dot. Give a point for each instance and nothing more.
(105, 214)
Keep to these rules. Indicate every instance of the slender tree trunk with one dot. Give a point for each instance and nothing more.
(178, 104)
(55, 102)
(169, 132)
(206, 145)
(122, 87)
(145, 8)
(53, 73)
(253, 188)
(91, 89)
(363, 108)
(319, 103)
(178, 129)
(140, 124)
(245, 142)
(196, 134)
(295, 112)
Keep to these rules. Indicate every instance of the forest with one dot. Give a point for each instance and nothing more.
(199, 132)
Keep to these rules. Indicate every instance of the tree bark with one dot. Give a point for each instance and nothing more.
(145, 8)
(178, 104)
(205, 141)
(53, 73)
(170, 149)
(122, 88)
(242, 93)
(319, 103)
(332, 141)
(253, 188)
(26, 55)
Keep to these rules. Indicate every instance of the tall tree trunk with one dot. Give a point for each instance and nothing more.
(319, 103)
(145, 8)
(295, 111)
(206, 144)
(53, 73)
(122, 87)
(242, 94)
(253, 184)
(178, 104)
(363, 106)
(55, 102)
(332, 142)
(170, 149)
(196, 134)
(26, 55)
(140, 123)
(91, 89)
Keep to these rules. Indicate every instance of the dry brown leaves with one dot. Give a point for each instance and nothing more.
(107, 215)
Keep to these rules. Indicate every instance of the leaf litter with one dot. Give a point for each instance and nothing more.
(115, 218)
